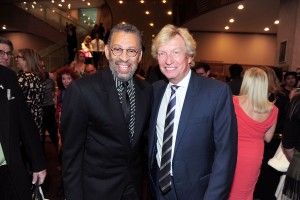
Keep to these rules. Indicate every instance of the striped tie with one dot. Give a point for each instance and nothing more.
(165, 165)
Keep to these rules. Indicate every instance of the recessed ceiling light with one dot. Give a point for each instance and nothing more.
(88, 3)
(4, 27)
(62, 1)
(24, 2)
(59, 5)
(153, 35)
(266, 29)
(52, 1)
(151, 24)
(147, 12)
(53, 10)
(41, 9)
(169, 12)
(32, 6)
(231, 20)
(226, 27)
(164, 1)
(69, 6)
(120, 2)
(276, 22)
(34, 2)
(142, 1)
(123, 22)
(241, 7)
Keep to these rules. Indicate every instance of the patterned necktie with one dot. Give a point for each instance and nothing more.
(165, 164)
(127, 99)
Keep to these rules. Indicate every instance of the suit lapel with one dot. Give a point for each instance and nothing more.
(158, 95)
(107, 87)
(4, 120)
(189, 103)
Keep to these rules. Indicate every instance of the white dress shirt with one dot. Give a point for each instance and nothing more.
(160, 123)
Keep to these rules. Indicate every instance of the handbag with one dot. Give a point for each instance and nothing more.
(37, 193)
(279, 160)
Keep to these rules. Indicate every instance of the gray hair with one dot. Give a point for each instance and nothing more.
(7, 42)
(127, 28)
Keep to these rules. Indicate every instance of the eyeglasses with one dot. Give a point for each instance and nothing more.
(19, 57)
(8, 53)
(119, 51)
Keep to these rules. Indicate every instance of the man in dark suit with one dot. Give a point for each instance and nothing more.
(16, 125)
(104, 117)
(193, 130)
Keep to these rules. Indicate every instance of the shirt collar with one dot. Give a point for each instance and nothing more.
(118, 82)
(184, 82)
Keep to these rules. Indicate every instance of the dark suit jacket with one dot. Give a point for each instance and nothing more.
(206, 144)
(97, 157)
(17, 125)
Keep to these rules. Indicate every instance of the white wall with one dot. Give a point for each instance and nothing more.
(248, 49)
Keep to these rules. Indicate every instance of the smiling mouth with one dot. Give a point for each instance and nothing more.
(170, 68)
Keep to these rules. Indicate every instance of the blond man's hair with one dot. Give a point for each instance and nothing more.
(167, 33)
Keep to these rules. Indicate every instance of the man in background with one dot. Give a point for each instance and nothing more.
(202, 69)
(17, 126)
(236, 79)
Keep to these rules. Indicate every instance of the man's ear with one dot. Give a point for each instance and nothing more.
(106, 50)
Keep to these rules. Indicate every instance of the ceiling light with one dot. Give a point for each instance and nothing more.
(123, 22)
(69, 6)
(59, 5)
(52, 1)
(24, 2)
(153, 35)
(53, 10)
(226, 27)
(276, 22)
(88, 3)
(4, 28)
(83, 0)
(164, 1)
(62, 1)
(266, 29)
(169, 12)
(34, 2)
(120, 2)
(142, 1)
(147, 12)
(32, 6)
(231, 20)
(241, 7)
(151, 24)
(41, 9)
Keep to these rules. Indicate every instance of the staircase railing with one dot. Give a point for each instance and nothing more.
(56, 55)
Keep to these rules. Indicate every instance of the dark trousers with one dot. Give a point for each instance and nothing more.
(97, 58)
(49, 124)
(7, 190)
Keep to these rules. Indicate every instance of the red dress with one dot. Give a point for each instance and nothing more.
(250, 152)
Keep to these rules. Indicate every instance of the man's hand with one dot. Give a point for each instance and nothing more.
(41, 175)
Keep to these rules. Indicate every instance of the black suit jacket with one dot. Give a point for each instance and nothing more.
(97, 157)
(17, 125)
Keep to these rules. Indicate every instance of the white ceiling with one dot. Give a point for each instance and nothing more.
(256, 15)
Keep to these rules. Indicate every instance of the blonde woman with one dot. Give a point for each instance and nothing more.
(86, 46)
(31, 78)
(78, 65)
(256, 117)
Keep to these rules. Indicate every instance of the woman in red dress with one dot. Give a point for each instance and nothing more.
(256, 117)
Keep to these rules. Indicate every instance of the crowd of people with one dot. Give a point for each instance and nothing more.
(183, 133)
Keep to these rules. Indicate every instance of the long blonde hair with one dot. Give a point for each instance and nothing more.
(255, 87)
